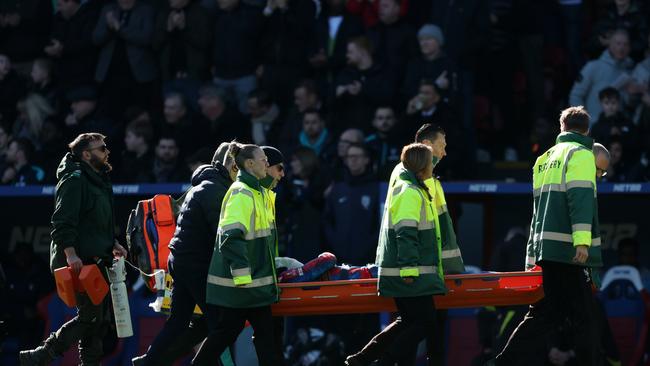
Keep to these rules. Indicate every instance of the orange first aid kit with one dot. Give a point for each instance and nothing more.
(90, 281)
(150, 228)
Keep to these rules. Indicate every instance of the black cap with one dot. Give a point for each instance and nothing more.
(82, 93)
(274, 155)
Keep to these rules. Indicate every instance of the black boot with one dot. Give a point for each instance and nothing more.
(41, 355)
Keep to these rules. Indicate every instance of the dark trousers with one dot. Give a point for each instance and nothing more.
(88, 328)
(568, 304)
(224, 326)
(398, 342)
(180, 332)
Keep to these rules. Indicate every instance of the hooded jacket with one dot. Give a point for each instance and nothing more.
(83, 213)
(595, 76)
(196, 227)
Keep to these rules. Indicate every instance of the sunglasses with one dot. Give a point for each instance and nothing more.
(101, 148)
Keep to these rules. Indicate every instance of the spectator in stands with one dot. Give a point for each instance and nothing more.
(182, 39)
(19, 170)
(305, 97)
(12, 88)
(361, 87)
(385, 142)
(315, 135)
(178, 122)
(621, 14)
(42, 81)
(223, 122)
(137, 158)
(4, 145)
(621, 167)
(348, 137)
(167, 166)
(33, 111)
(286, 42)
(264, 117)
(52, 147)
(611, 69)
(200, 157)
(84, 117)
(613, 123)
(235, 55)
(351, 210)
(432, 63)
(393, 39)
(25, 26)
(465, 26)
(334, 30)
(126, 66)
(368, 10)
(71, 45)
(306, 184)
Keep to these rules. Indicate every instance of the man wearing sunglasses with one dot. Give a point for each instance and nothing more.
(82, 233)
(601, 154)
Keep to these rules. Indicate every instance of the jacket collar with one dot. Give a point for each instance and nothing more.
(583, 140)
(248, 179)
(408, 176)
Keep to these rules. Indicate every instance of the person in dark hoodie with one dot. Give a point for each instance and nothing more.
(189, 259)
(82, 233)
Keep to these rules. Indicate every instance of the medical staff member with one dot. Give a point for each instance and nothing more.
(242, 283)
(409, 252)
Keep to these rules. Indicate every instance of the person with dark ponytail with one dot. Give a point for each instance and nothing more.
(241, 282)
(409, 258)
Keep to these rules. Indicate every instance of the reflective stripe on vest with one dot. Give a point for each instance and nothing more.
(567, 238)
(394, 272)
(229, 282)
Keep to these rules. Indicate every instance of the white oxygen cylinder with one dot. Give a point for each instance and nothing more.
(117, 276)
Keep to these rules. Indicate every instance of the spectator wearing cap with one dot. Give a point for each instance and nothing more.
(126, 65)
(168, 167)
(19, 170)
(393, 39)
(235, 49)
(137, 158)
(84, 116)
(12, 87)
(182, 39)
(361, 87)
(71, 46)
(223, 122)
(431, 63)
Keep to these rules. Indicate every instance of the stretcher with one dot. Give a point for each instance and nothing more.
(360, 296)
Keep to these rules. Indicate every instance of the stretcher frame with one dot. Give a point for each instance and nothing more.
(360, 296)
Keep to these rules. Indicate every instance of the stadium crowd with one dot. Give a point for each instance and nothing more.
(167, 81)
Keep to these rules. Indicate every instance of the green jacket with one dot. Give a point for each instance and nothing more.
(452, 258)
(408, 246)
(242, 269)
(565, 210)
(83, 213)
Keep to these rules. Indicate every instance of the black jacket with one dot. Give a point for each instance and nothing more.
(196, 228)
(237, 34)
